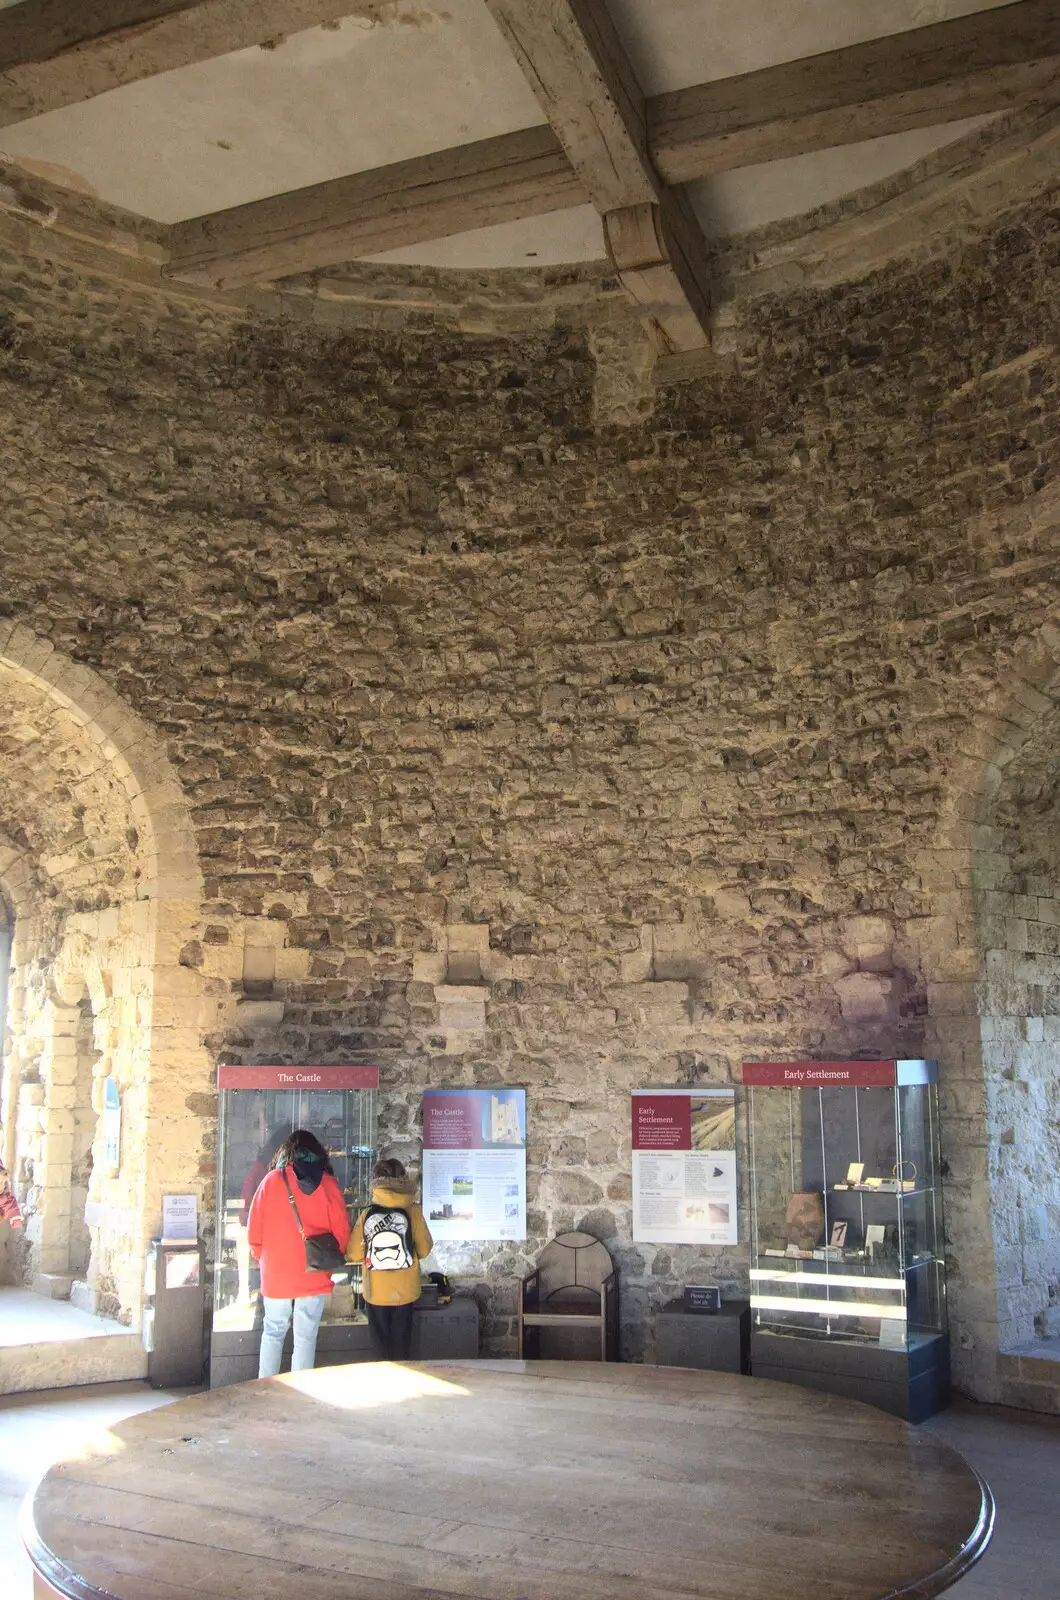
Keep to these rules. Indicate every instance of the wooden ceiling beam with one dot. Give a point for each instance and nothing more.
(56, 53)
(967, 67)
(573, 59)
(518, 175)
(986, 62)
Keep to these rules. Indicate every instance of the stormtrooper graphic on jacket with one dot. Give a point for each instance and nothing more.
(389, 1285)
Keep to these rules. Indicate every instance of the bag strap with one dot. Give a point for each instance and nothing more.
(294, 1208)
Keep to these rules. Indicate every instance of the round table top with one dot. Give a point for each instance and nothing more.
(509, 1480)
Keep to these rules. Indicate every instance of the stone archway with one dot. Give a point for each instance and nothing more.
(992, 965)
(104, 879)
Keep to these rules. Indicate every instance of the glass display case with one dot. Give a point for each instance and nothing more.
(847, 1261)
(258, 1108)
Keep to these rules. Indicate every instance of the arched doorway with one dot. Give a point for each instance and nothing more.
(104, 878)
(992, 959)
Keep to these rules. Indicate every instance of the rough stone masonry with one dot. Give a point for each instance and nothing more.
(536, 752)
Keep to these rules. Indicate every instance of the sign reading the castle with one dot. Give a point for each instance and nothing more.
(474, 1163)
(684, 1166)
(341, 1077)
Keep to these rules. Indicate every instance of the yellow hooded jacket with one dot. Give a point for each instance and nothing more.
(401, 1286)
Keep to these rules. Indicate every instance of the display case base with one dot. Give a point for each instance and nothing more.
(439, 1333)
(913, 1383)
(712, 1341)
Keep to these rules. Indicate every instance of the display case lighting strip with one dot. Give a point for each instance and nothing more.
(833, 1308)
(836, 1280)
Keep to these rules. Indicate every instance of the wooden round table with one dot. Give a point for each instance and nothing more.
(508, 1480)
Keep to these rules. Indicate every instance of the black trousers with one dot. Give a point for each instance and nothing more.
(390, 1330)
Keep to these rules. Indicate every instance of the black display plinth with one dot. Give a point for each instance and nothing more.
(913, 1383)
(439, 1333)
(713, 1341)
(173, 1315)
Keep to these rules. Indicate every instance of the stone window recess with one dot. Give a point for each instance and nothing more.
(877, 993)
(460, 972)
(262, 973)
(661, 977)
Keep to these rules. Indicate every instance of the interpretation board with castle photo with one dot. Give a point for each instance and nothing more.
(474, 1163)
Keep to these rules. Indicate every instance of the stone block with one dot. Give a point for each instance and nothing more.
(59, 1364)
(469, 1019)
(468, 936)
(731, 904)
(84, 1297)
(293, 965)
(58, 1148)
(53, 1285)
(1025, 1395)
(428, 966)
(497, 967)
(259, 1013)
(449, 994)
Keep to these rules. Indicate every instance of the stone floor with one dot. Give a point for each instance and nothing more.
(29, 1318)
(47, 1344)
(1017, 1452)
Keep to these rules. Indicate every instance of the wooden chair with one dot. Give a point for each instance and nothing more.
(573, 1286)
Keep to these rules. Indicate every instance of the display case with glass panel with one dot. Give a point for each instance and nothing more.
(259, 1107)
(847, 1262)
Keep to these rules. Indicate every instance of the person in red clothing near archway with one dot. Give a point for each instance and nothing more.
(10, 1210)
(301, 1169)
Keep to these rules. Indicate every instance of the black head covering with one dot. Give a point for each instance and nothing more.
(308, 1169)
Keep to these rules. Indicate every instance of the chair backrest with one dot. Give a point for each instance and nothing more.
(573, 1260)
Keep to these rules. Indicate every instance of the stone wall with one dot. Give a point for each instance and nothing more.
(522, 749)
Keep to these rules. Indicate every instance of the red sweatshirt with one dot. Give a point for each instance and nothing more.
(275, 1241)
(10, 1212)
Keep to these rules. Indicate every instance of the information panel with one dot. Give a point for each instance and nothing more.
(474, 1163)
(684, 1166)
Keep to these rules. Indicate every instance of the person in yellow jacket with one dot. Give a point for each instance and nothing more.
(391, 1238)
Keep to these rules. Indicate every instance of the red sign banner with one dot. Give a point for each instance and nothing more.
(662, 1122)
(452, 1120)
(820, 1074)
(328, 1078)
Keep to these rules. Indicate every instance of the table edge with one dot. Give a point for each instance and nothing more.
(974, 1547)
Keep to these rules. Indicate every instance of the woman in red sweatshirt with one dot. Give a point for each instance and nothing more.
(9, 1206)
(302, 1182)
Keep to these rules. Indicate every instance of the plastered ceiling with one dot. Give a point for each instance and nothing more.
(402, 79)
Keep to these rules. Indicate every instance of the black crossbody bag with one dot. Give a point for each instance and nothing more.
(323, 1252)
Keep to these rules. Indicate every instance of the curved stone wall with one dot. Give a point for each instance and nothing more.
(663, 727)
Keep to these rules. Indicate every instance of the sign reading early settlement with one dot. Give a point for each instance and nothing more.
(818, 1074)
(474, 1163)
(684, 1166)
(837, 1074)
